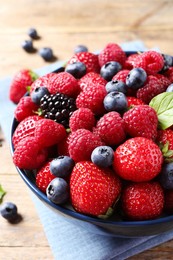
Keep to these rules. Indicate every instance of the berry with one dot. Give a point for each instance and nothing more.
(38, 93)
(115, 101)
(102, 156)
(142, 121)
(62, 147)
(91, 78)
(8, 210)
(57, 107)
(110, 128)
(168, 206)
(80, 48)
(27, 45)
(18, 86)
(166, 176)
(170, 88)
(138, 159)
(135, 60)
(112, 52)
(109, 69)
(93, 190)
(133, 101)
(154, 62)
(82, 118)
(169, 74)
(46, 53)
(121, 75)
(32, 32)
(58, 191)
(142, 201)
(168, 62)
(116, 85)
(165, 141)
(77, 69)
(136, 78)
(25, 108)
(44, 177)
(81, 143)
(42, 81)
(61, 166)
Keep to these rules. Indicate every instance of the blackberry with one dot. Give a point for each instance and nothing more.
(58, 107)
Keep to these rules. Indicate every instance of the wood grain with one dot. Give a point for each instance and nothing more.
(63, 25)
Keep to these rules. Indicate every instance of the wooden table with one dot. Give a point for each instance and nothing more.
(62, 25)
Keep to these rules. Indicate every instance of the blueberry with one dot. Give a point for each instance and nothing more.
(109, 69)
(166, 176)
(27, 45)
(8, 210)
(80, 48)
(38, 93)
(116, 85)
(58, 191)
(32, 32)
(46, 53)
(136, 78)
(115, 101)
(170, 88)
(168, 62)
(61, 166)
(59, 69)
(77, 69)
(102, 156)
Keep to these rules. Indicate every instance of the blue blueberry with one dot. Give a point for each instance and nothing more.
(8, 210)
(58, 191)
(46, 53)
(38, 93)
(80, 48)
(136, 78)
(102, 156)
(116, 85)
(109, 69)
(115, 101)
(166, 176)
(27, 45)
(77, 69)
(62, 166)
(170, 88)
(32, 32)
(168, 62)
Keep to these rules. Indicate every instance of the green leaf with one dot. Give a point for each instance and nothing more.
(163, 105)
(2, 193)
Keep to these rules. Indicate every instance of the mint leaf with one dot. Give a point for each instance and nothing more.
(2, 193)
(163, 105)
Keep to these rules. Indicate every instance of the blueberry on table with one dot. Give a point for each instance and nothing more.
(102, 156)
(62, 166)
(115, 101)
(8, 210)
(136, 78)
(46, 53)
(38, 93)
(166, 176)
(32, 32)
(27, 45)
(77, 69)
(109, 69)
(116, 85)
(80, 48)
(58, 191)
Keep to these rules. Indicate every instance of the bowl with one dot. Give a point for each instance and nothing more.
(109, 227)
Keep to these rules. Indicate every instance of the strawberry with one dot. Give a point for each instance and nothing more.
(142, 201)
(165, 141)
(141, 120)
(138, 159)
(21, 80)
(93, 190)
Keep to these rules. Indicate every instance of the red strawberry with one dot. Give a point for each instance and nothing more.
(141, 120)
(28, 154)
(142, 201)
(89, 59)
(24, 129)
(82, 118)
(138, 159)
(21, 80)
(110, 128)
(81, 143)
(44, 177)
(165, 139)
(133, 101)
(91, 77)
(25, 108)
(112, 52)
(93, 190)
(154, 61)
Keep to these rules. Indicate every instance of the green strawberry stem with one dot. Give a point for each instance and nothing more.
(108, 213)
(33, 75)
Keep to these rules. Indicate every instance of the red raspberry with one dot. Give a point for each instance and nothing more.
(133, 101)
(164, 81)
(135, 61)
(28, 154)
(91, 77)
(169, 74)
(154, 62)
(141, 120)
(112, 52)
(89, 59)
(62, 147)
(44, 177)
(48, 132)
(142, 201)
(24, 129)
(42, 81)
(25, 108)
(121, 75)
(92, 97)
(168, 207)
(82, 118)
(151, 88)
(110, 128)
(81, 143)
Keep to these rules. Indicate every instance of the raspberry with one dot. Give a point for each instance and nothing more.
(91, 77)
(82, 118)
(164, 81)
(92, 97)
(169, 74)
(25, 108)
(154, 62)
(112, 52)
(44, 177)
(28, 154)
(81, 143)
(42, 81)
(135, 61)
(133, 101)
(121, 75)
(62, 147)
(110, 128)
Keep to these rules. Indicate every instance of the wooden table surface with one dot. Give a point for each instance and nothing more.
(62, 25)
